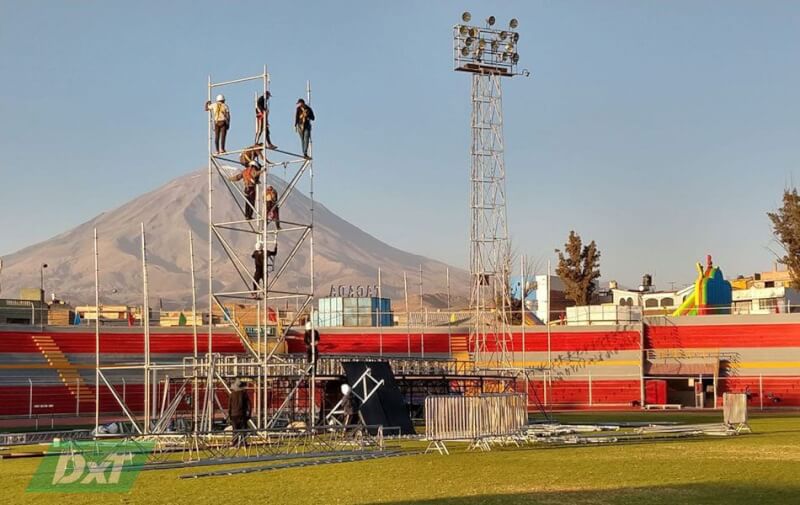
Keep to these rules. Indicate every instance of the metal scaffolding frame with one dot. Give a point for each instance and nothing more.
(264, 364)
(298, 235)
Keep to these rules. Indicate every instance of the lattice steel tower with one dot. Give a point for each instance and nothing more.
(488, 54)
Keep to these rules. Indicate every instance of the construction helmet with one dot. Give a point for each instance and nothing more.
(345, 389)
(253, 163)
(308, 325)
(220, 98)
(259, 244)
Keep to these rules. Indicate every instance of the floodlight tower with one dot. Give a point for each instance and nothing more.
(489, 54)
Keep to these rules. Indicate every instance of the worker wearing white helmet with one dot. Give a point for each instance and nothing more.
(250, 176)
(221, 118)
(351, 405)
(258, 262)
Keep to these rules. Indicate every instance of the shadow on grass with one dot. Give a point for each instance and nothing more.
(698, 493)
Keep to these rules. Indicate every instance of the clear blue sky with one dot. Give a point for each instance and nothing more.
(663, 130)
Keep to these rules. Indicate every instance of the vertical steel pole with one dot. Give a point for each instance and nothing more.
(209, 407)
(449, 315)
(547, 314)
(761, 391)
(408, 315)
(421, 308)
(195, 392)
(30, 399)
(96, 336)
(523, 284)
(146, 321)
(312, 403)
(380, 316)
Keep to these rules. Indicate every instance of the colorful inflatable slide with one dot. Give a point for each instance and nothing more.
(711, 295)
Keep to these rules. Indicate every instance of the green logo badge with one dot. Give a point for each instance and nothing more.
(90, 467)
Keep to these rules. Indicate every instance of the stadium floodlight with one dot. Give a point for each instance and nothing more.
(486, 49)
(490, 58)
(511, 24)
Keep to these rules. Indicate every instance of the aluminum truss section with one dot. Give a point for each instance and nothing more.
(296, 244)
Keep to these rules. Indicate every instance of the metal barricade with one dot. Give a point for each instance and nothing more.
(478, 419)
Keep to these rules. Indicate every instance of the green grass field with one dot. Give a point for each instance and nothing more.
(760, 468)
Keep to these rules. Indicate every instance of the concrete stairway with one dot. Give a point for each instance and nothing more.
(66, 371)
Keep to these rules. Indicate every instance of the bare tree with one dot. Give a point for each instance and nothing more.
(514, 305)
(578, 268)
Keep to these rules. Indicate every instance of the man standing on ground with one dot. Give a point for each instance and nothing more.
(350, 405)
(302, 123)
(238, 411)
(221, 116)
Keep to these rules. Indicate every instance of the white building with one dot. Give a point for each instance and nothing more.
(766, 300)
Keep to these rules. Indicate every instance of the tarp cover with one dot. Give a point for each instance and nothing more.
(386, 407)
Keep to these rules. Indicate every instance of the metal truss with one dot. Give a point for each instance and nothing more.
(489, 244)
(209, 373)
(295, 238)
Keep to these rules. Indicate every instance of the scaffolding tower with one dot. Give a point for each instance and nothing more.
(265, 362)
(297, 242)
(489, 55)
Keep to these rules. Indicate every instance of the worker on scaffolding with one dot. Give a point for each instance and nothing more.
(311, 339)
(258, 263)
(253, 153)
(271, 199)
(238, 412)
(262, 120)
(302, 123)
(250, 176)
(221, 116)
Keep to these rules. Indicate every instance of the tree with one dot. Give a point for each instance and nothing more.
(514, 305)
(786, 228)
(578, 268)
